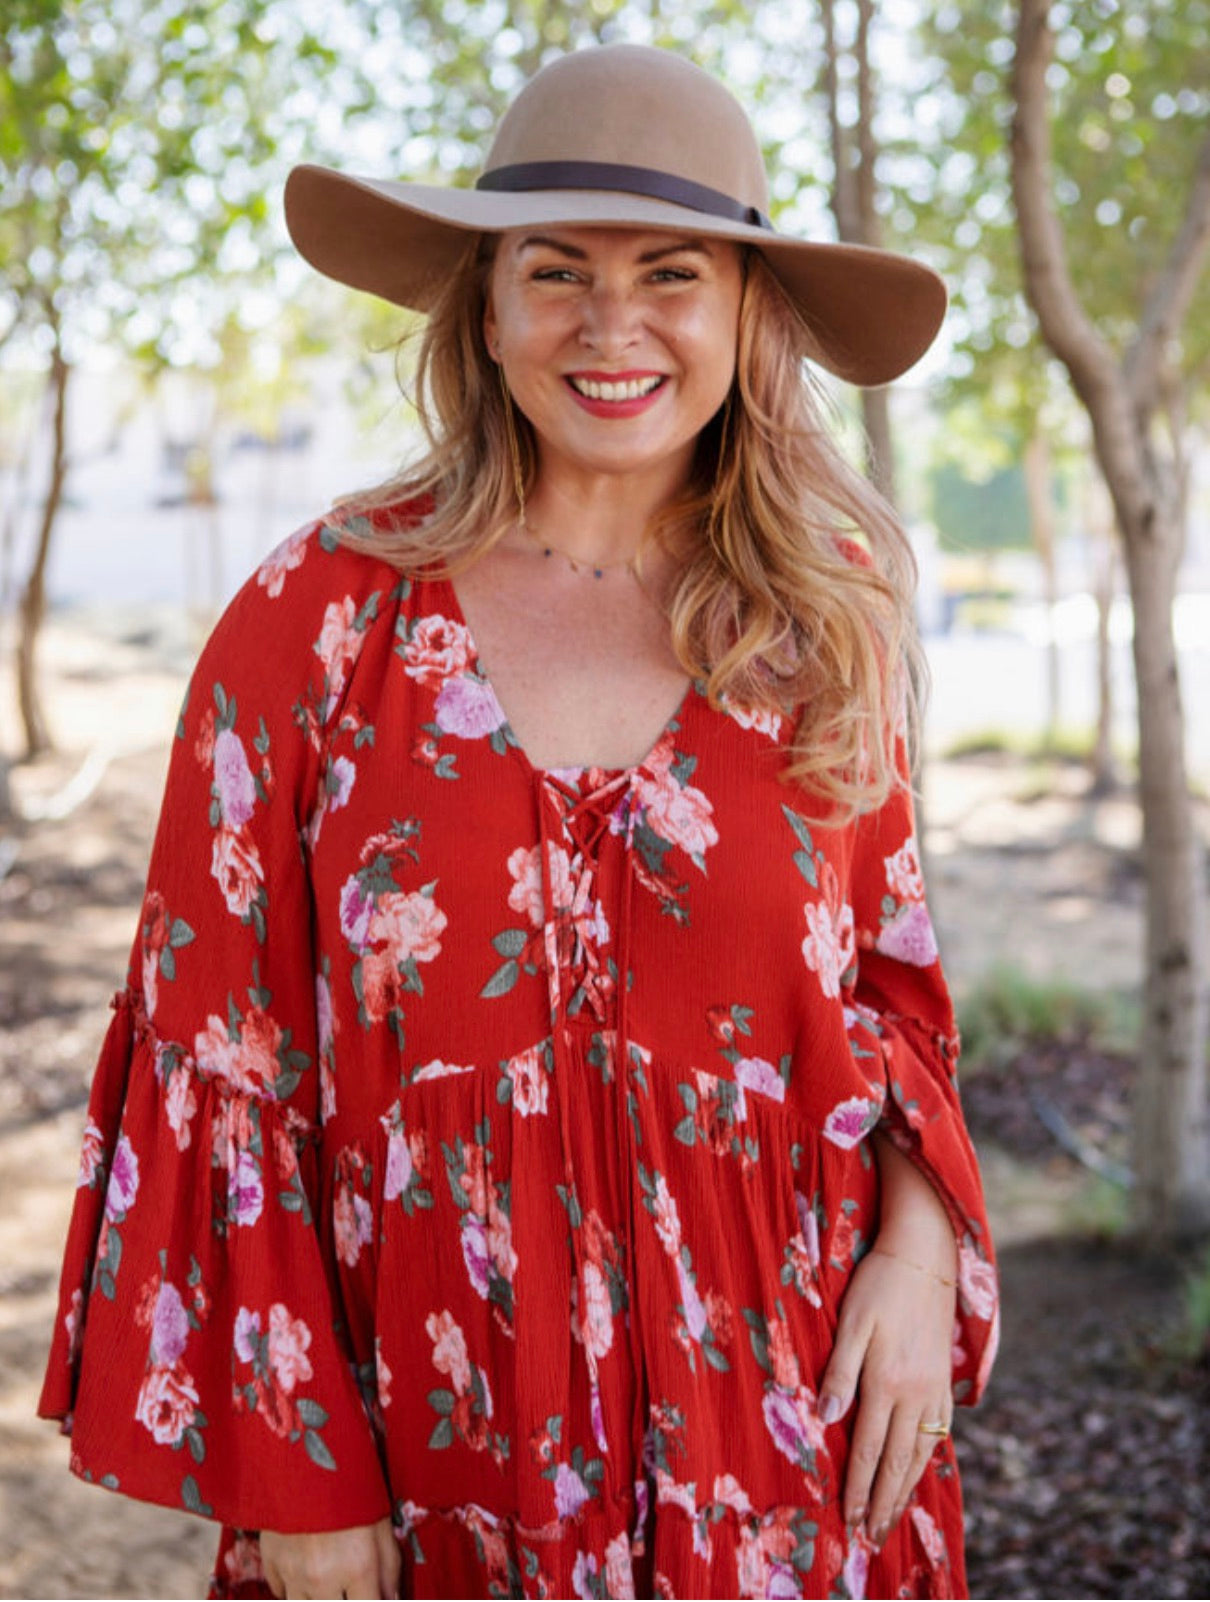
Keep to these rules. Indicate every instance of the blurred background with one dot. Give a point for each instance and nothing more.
(178, 392)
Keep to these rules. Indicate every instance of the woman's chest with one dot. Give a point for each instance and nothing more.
(583, 669)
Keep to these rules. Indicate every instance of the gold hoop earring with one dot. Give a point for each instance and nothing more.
(514, 447)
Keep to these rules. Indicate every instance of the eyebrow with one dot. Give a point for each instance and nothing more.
(574, 252)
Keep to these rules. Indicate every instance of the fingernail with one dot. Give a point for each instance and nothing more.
(830, 1409)
(855, 1518)
(880, 1535)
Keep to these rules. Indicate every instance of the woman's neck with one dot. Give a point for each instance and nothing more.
(599, 519)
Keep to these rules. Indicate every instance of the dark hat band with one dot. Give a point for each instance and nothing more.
(528, 175)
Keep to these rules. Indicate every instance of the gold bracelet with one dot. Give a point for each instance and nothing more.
(878, 1251)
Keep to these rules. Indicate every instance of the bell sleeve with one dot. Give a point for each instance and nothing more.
(899, 1010)
(198, 1360)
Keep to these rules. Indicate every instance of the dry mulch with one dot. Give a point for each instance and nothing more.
(1087, 1468)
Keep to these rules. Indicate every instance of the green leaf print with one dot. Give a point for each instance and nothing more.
(191, 1498)
(317, 1451)
(510, 942)
(442, 1436)
(502, 981)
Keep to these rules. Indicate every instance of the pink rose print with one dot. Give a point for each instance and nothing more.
(438, 649)
(782, 1356)
(593, 1321)
(467, 707)
(793, 1423)
(236, 866)
(356, 910)
(680, 814)
(449, 1349)
(245, 1191)
(908, 937)
(169, 1327)
(233, 779)
(91, 1153)
(338, 646)
(976, 1283)
(249, 1063)
(531, 1084)
(166, 1403)
(472, 1236)
(180, 1105)
(289, 1339)
(667, 1219)
(754, 1073)
(829, 949)
(851, 1122)
(903, 876)
(526, 896)
(352, 1223)
(409, 924)
(123, 1181)
(399, 1167)
(619, 1569)
(247, 1335)
(931, 1538)
(291, 553)
(571, 1493)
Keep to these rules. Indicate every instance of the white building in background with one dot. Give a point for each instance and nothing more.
(133, 531)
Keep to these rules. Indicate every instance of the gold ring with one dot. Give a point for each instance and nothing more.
(933, 1429)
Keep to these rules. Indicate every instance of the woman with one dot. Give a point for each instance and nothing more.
(526, 1155)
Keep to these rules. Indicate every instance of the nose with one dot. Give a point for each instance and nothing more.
(611, 320)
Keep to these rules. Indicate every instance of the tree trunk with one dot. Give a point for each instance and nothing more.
(1104, 763)
(1170, 1118)
(854, 196)
(1172, 1161)
(1042, 527)
(32, 610)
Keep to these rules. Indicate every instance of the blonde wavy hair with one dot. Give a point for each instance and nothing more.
(795, 580)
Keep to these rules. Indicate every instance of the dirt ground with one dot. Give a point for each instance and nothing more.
(1085, 1469)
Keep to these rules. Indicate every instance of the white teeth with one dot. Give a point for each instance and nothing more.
(630, 389)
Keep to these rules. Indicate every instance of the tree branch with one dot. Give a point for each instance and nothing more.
(844, 179)
(1172, 293)
(1065, 325)
(867, 211)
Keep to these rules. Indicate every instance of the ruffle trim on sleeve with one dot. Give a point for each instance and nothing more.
(196, 1361)
(923, 1117)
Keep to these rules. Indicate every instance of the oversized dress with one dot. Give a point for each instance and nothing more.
(487, 1146)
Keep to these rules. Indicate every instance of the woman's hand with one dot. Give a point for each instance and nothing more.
(893, 1349)
(361, 1562)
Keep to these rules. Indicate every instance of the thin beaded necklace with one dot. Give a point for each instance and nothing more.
(597, 569)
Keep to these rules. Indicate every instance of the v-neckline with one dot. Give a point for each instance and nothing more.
(552, 769)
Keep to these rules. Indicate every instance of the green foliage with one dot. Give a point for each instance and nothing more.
(141, 150)
(1007, 1010)
(973, 514)
(1131, 96)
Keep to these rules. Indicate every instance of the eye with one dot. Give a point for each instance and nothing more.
(673, 275)
(554, 275)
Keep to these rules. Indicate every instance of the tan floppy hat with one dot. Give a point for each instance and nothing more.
(627, 136)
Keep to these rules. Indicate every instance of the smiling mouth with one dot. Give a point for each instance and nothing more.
(625, 389)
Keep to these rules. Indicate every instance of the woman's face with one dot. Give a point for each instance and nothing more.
(618, 345)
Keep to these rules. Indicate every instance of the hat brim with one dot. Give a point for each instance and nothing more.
(874, 313)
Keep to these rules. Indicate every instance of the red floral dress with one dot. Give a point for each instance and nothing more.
(486, 1146)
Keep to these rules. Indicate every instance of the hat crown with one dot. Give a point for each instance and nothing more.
(634, 106)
